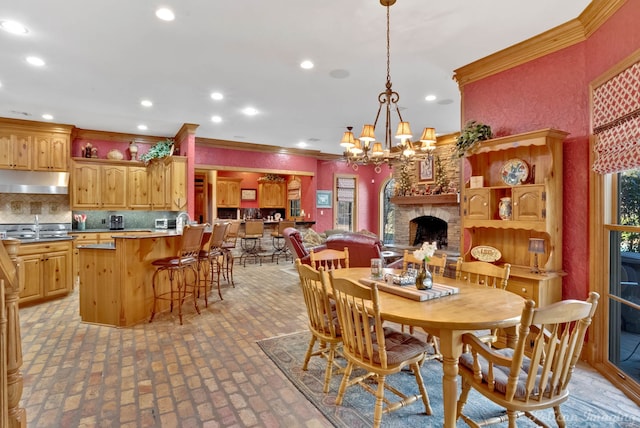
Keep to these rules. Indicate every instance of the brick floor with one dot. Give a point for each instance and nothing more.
(207, 373)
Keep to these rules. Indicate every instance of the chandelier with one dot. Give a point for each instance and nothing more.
(365, 150)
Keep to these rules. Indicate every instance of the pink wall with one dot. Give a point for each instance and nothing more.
(553, 92)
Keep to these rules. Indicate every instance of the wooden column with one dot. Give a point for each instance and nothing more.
(12, 354)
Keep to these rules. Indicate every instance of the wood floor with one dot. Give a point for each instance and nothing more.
(207, 373)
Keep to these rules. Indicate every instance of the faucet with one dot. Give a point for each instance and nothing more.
(181, 219)
(36, 226)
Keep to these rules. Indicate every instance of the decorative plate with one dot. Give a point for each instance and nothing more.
(277, 216)
(484, 253)
(514, 171)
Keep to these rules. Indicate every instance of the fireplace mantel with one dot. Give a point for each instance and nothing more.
(449, 198)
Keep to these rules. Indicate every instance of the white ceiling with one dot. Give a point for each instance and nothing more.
(104, 56)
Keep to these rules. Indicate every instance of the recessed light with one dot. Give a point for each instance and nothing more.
(216, 119)
(302, 144)
(47, 116)
(13, 27)
(142, 127)
(165, 14)
(250, 111)
(146, 103)
(33, 60)
(306, 64)
(430, 98)
(216, 96)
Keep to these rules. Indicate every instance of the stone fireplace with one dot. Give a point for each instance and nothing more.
(414, 224)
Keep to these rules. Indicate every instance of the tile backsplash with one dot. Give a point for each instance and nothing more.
(21, 207)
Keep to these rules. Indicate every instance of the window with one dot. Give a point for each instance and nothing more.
(624, 265)
(388, 212)
(346, 195)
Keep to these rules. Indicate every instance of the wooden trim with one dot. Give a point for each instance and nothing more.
(185, 131)
(560, 37)
(210, 167)
(31, 125)
(449, 199)
(236, 145)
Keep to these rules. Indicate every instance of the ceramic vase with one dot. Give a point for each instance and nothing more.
(504, 208)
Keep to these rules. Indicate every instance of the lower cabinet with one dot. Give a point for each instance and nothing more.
(46, 269)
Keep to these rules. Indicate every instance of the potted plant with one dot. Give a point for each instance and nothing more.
(160, 150)
(472, 133)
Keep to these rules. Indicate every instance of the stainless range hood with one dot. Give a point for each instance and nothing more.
(36, 182)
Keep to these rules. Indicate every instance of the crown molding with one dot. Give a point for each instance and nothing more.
(575, 31)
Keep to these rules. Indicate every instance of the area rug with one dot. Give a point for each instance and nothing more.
(287, 352)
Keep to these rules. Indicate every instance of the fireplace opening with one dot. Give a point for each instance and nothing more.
(428, 229)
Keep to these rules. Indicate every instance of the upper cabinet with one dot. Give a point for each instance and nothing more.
(105, 184)
(98, 186)
(34, 146)
(228, 192)
(15, 150)
(520, 198)
(272, 194)
(51, 152)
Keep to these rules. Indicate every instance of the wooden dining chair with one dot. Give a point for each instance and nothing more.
(489, 275)
(323, 321)
(483, 273)
(536, 373)
(437, 264)
(329, 259)
(380, 351)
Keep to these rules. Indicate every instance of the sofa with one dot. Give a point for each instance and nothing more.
(362, 247)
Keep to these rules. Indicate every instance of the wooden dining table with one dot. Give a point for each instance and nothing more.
(449, 317)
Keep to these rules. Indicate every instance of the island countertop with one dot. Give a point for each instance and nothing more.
(115, 278)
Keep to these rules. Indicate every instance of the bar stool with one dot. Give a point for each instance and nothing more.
(210, 260)
(250, 241)
(228, 246)
(277, 238)
(177, 267)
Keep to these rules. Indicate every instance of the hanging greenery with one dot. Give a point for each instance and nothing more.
(160, 150)
(472, 133)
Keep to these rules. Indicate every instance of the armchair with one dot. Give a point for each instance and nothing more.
(362, 248)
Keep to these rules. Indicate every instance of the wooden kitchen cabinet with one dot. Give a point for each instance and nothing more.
(113, 185)
(15, 150)
(228, 192)
(47, 270)
(85, 185)
(158, 185)
(101, 184)
(477, 204)
(176, 176)
(51, 152)
(98, 186)
(38, 146)
(536, 199)
(168, 183)
(138, 183)
(272, 194)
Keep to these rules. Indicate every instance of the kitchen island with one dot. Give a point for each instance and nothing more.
(115, 278)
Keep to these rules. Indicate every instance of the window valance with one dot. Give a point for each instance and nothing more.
(616, 121)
